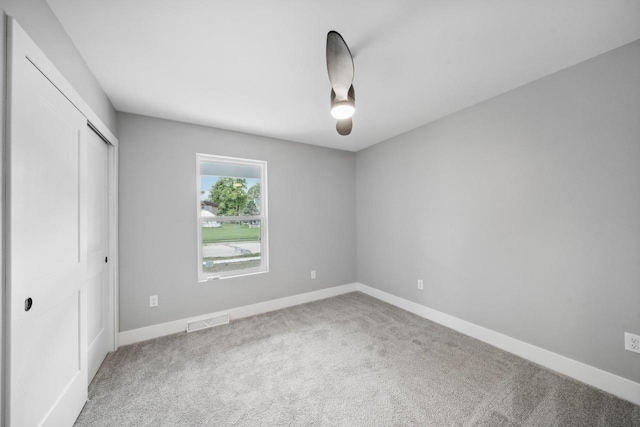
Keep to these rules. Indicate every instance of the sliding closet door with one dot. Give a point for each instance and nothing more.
(98, 324)
(47, 263)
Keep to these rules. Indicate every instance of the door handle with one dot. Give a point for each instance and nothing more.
(27, 304)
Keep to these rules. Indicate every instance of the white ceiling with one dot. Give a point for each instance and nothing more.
(258, 66)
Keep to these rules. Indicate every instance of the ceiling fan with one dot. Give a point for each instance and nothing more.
(340, 69)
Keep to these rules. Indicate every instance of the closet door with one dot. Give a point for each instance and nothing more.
(47, 262)
(98, 326)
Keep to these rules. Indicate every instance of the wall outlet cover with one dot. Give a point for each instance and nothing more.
(632, 342)
(153, 301)
(420, 285)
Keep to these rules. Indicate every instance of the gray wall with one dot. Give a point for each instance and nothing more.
(41, 24)
(311, 220)
(521, 214)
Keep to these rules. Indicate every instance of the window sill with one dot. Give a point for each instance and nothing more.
(233, 276)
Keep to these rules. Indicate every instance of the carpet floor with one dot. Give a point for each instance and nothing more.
(350, 360)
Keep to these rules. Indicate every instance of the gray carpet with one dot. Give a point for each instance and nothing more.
(344, 361)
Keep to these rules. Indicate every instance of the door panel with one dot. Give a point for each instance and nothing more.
(99, 330)
(48, 253)
(57, 331)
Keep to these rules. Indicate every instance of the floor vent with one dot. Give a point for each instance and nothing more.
(198, 325)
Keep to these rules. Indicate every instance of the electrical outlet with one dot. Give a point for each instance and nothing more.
(632, 342)
(313, 274)
(420, 285)
(153, 301)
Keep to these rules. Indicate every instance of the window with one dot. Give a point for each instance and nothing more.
(232, 217)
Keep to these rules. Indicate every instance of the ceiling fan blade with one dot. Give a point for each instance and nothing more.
(339, 64)
(344, 126)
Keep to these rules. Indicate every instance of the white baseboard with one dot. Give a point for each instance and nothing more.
(162, 329)
(611, 383)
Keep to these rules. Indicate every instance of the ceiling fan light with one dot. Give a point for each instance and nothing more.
(343, 109)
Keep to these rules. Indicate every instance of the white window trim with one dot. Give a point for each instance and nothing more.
(264, 228)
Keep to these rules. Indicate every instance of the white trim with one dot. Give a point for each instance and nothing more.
(243, 274)
(611, 383)
(113, 264)
(155, 331)
(263, 217)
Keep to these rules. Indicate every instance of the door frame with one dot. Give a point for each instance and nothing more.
(19, 46)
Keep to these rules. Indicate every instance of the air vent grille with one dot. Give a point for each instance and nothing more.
(198, 325)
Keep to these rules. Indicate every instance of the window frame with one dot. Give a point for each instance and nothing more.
(263, 217)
